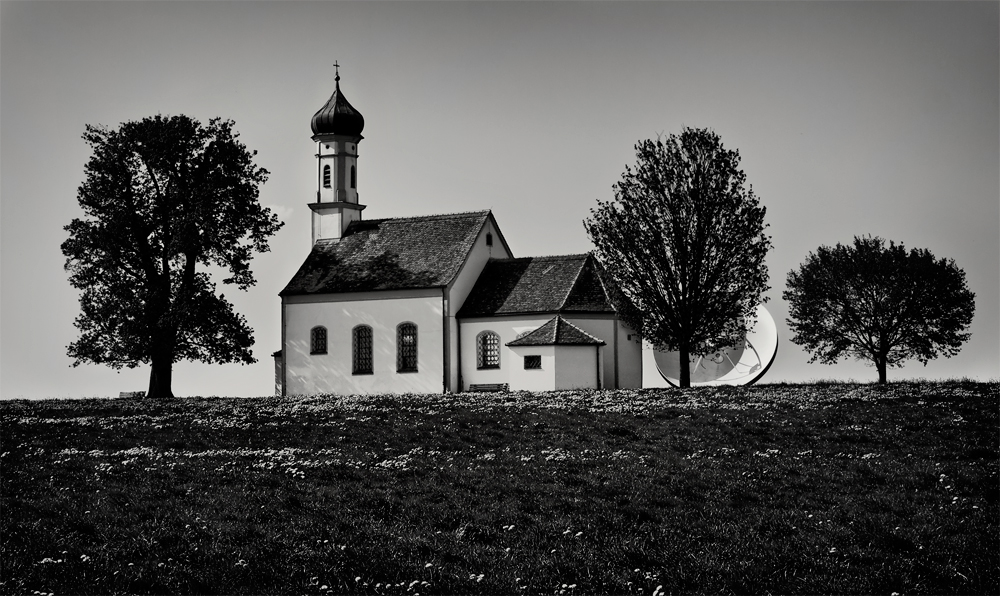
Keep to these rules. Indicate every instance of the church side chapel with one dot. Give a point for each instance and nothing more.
(436, 303)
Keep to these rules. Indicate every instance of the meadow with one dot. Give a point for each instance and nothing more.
(790, 489)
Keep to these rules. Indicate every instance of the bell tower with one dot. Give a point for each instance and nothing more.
(336, 130)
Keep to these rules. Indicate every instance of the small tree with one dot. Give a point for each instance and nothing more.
(684, 240)
(878, 303)
(163, 196)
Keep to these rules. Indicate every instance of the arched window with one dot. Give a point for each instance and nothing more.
(361, 342)
(317, 340)
(354, 177)
(488, 350)
(326, 176)
(406, 347)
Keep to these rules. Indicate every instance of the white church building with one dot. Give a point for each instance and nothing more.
(436, 303)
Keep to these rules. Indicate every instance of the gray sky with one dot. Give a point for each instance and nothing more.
(852, 118)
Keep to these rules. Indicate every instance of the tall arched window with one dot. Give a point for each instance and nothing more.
(326, 176)
(317, 340)
(488, 350)
(354, 177)
(406, 347)
(361, 342)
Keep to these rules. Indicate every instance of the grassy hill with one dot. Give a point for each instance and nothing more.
(826, 488)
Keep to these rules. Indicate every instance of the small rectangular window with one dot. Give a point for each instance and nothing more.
(531, 362)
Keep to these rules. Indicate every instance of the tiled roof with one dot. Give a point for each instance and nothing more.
(564, 284)
(557, 332)
(390, 254)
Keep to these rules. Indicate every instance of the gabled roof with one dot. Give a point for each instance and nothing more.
(390, 254)
(531, 285)
(557, 332)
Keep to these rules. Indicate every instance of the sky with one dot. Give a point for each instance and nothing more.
(851, 118)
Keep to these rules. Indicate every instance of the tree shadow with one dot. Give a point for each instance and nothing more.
(326, 272)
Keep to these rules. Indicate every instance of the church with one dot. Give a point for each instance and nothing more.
(436, 303)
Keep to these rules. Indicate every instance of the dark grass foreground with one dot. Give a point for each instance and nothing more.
(777, 489)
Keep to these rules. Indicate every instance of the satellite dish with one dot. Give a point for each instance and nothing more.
(742, 364)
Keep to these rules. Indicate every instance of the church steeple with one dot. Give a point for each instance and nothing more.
(337, 130)
(338, 116)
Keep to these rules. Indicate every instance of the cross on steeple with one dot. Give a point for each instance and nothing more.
(337, 66)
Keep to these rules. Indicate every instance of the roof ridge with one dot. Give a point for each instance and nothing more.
(555, 328)
(599, 274)
(426, 217)
(572, 286)
(536, 335)
(569, 256)
(543, 258)
(560, 317)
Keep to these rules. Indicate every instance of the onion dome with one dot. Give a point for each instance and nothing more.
(338, 116)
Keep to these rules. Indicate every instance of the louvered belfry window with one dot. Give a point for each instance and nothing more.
(317, 340)
(488, 350)
(361, 342)
(326, 176)
(406, 347)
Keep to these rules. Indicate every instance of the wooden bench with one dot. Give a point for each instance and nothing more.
(489, 387)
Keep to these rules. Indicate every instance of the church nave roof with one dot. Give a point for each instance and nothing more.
(390, 254)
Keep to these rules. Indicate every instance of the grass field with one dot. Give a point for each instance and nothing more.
(791, 489)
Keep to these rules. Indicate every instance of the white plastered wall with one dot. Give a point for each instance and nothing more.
(459, 291)
(508, 328)
(604, 327)
(629, 358)
(622, 356)
(308, 374)
(577, 367)
(536, 379)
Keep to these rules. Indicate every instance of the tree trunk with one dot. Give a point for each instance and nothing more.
(880, 364)
(685, 355)
(160, 373)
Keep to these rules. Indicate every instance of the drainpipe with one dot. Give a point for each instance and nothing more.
(444, 344)
(615, 339)
(597, 351)
(458, 350)
(284, 352)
